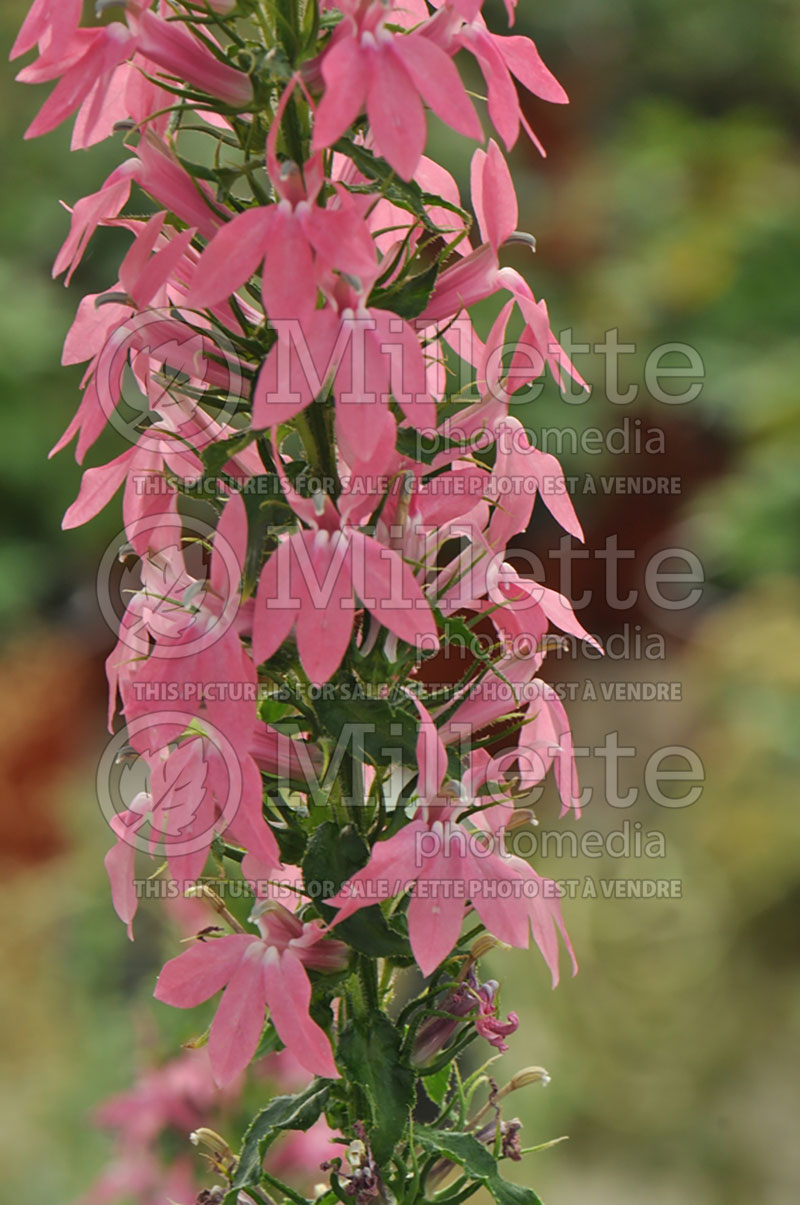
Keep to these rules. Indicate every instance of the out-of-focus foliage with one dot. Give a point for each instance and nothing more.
(40, 567)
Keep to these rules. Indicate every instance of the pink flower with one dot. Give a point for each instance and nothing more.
(370, 354)
(85, 63)
(267, 971)
(435, 858)
(48, 22)
(171, 47)
(309, 584)
(284, 239)
(462, 1002)
(367, 64)
(501, 59)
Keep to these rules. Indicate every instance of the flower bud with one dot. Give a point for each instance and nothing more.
(215, 1148)
(528, 1075)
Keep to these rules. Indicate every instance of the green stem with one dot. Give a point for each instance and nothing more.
(368, 979)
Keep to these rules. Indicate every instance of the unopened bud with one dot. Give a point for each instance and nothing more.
(483, 946)
(213, 1142)
(521, 816)
(215, 1148)
(528, 1075)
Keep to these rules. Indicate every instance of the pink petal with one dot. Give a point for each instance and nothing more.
(438, 81)
(288, 994)
(98, 487)
(554, 493)
(503, 917)
(325, 619)
(231, 258)
(344, 75)
(341, 238)
(170, 46)
(435, 920)
(230, 547)
(523, 59)
(276, 604)
(431, 753)
(236, 1029)
(297, 367)
(388, 589)
(247, 826)
(493, 195)
(398, 341)
(194, 976)
(119, 863)
(288, 288)
(504, 109)
(395, 112)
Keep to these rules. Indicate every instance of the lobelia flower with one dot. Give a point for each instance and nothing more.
(165, 1102)
(48, 21)
(462, 1002)
(171, 47)
(459, 25)
(309, 582)
(478, 275)
(435, 858)
(267, 971)
(156, 170)
(365, 64)
(545, 738)
(370, 354)
(85, 63)
(284, 239)
(211, 783)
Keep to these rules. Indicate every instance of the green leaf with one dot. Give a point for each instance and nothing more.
(436, 1085)
(266, 508)
(270, 1043)
(217, 455)
(477, 1161)
(297, 1112)
(369, 1053)
(381, 734)
(409, 297)
(405, 194)
(332, 857)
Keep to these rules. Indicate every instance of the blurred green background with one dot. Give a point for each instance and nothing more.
(667, 208)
